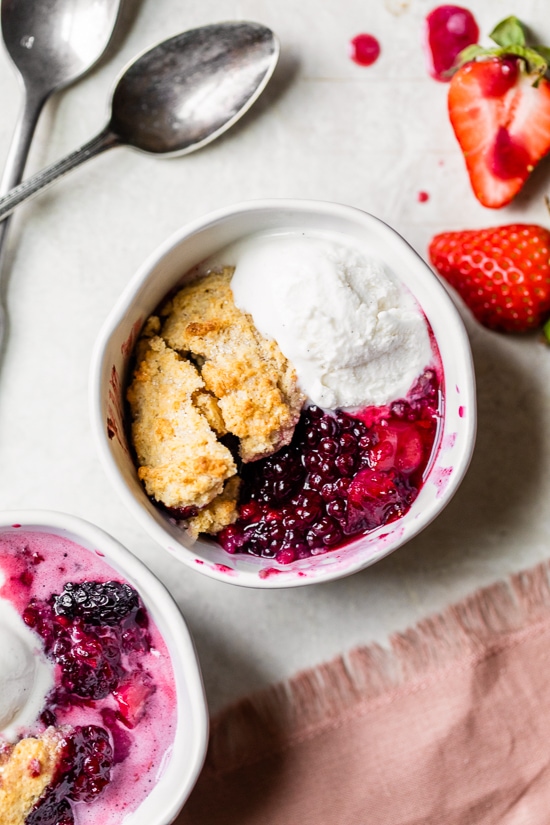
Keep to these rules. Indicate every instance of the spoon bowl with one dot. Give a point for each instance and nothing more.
(175, 97)
(53, 42)
(184, 93)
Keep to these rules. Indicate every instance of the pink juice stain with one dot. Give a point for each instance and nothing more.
(223, 568)
(440, 478)
(268, 572)
(364, 49)
(448, 30)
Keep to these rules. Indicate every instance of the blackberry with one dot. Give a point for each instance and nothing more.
(97, 603)
(51, 810)
(90, 656)
(341, 475)
(90, 659)
(93, 761)
(85, 769)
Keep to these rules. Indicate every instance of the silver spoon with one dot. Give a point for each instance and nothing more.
(51, 43)
(176, 97)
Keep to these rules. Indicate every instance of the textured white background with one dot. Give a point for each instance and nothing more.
(327, 129)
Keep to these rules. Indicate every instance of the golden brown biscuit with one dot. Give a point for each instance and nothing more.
(219, 513)
(257, 388)
(181, 462)
(26, 771)
(210, 408)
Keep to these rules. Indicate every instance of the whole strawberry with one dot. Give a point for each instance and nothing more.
(499, 107)
(502, 273)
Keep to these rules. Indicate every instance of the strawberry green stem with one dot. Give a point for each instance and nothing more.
(509, 35)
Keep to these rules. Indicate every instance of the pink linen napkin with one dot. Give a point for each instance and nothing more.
(449, 726)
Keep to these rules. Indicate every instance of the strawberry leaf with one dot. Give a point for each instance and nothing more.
(470, 53)
(534, 61)
(546, 332)
(544, 52)
(508, 33)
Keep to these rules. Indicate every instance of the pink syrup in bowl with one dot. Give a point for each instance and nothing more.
(114, 682)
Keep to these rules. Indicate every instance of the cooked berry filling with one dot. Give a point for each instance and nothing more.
(84, 770)
(89, 648)
(95, 632)
(341, 475)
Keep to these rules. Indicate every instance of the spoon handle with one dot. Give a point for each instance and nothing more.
(13, 172)
(30, 187)
(19, 149)
(21, 140)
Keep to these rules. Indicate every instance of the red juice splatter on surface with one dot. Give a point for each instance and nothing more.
(448, 30)
(364, 49)
(423, 197)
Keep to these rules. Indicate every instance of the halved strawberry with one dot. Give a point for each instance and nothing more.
(499, 107)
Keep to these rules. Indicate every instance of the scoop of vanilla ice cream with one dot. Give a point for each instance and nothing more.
(26, 676)
(354, 334)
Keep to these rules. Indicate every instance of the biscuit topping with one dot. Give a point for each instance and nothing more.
(203, 370)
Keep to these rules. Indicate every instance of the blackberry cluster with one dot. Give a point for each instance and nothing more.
(85, 769)
(85, 641)
(106, 603)
(339, 476)
(51, 811)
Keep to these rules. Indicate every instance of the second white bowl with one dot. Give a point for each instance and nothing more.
(185, 756)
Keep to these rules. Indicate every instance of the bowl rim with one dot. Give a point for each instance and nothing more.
(181, 643)
(141, 276)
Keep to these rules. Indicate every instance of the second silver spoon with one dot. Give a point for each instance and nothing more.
(176, 97)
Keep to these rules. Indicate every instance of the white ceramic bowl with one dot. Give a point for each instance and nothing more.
(165, 268)
(178, 777)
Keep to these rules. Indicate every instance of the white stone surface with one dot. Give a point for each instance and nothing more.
(327, 129)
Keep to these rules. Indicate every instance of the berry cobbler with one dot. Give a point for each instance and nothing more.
(87, 695)
(287, 398)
